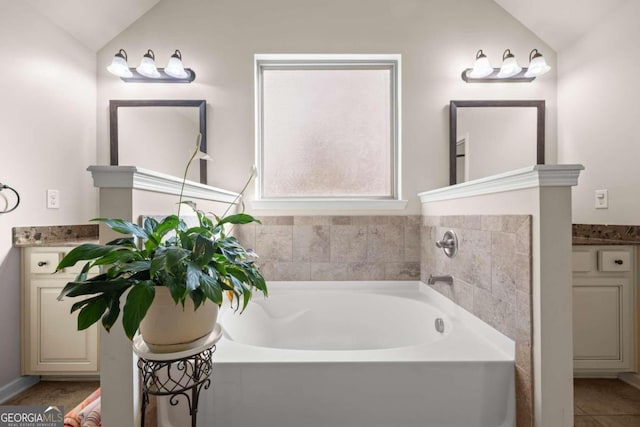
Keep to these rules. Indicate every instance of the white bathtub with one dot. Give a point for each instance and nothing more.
(366, 354)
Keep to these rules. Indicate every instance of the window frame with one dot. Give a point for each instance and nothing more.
(330, 61)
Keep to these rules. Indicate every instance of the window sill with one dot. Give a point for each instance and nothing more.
(329, 204)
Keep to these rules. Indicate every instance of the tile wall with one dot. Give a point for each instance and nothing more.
(335, 247)
(492, 280)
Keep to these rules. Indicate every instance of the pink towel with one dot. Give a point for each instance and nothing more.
(94, 417)
(82, 415)
(71, 418)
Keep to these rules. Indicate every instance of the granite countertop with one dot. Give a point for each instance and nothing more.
(54, 235)
(600, 234)
(71, 235)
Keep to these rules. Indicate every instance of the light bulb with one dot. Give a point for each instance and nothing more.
(481, 68)
(119, 66)
(175, 68)
(147, 66)
(510, 66)
(537, 64)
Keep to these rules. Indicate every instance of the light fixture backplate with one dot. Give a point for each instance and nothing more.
(493, 77)
(164, 77)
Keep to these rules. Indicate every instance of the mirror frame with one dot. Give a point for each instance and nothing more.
(453, 126)
(114, 105)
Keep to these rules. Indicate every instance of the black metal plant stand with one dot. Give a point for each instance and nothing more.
(185, 376)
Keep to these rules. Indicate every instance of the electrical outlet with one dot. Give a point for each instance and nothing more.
(602, 199)
(53, 199)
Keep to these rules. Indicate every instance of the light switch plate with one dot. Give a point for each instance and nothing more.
(602, 199)
(53, 199)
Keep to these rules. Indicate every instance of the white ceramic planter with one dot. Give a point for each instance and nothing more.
(168, 327)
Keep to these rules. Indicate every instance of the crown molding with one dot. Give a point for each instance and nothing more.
(137, 178)
(528, 177)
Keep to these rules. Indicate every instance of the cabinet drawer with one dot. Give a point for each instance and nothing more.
(44, 262)
(76, 269)
(614, 261)
(582, 262)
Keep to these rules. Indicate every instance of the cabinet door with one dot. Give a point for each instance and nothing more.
(56, 346)
(601, 329)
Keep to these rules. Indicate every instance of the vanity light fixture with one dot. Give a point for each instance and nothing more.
(509, 72)
(175, 68)
(119, 66)
(481, 68)
(509, 66)
(147, 72)
(537, 64)
(147, 65)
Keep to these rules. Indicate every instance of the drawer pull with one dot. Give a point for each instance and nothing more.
(619, 262)
(42, 263)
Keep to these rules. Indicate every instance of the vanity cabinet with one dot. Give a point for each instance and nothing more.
(603, 309)
(51, 343)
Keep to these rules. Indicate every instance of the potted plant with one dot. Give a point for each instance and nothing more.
(165, 267)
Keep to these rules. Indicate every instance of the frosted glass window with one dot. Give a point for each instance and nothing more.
(328, 132)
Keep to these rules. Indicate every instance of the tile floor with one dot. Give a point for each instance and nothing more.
(605, 403)
(68, 394)
(65, 393)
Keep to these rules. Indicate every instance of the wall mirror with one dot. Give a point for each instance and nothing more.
(491, 137)
(159, 135)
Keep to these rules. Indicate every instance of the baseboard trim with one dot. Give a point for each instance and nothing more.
(631, 378)
(16, 386)
(597, 374)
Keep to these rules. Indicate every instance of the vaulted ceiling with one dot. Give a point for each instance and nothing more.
(95, 22)
(559, 23)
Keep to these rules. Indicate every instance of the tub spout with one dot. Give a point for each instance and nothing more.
(434, 279)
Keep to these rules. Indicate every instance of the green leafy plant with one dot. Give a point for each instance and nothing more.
(201, 263)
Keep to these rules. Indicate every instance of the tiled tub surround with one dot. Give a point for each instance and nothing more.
(492, 280)
(335, 247)
(43, 235)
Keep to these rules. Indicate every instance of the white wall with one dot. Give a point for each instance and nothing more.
(437, 40)
(598, 116)
(47, 139)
